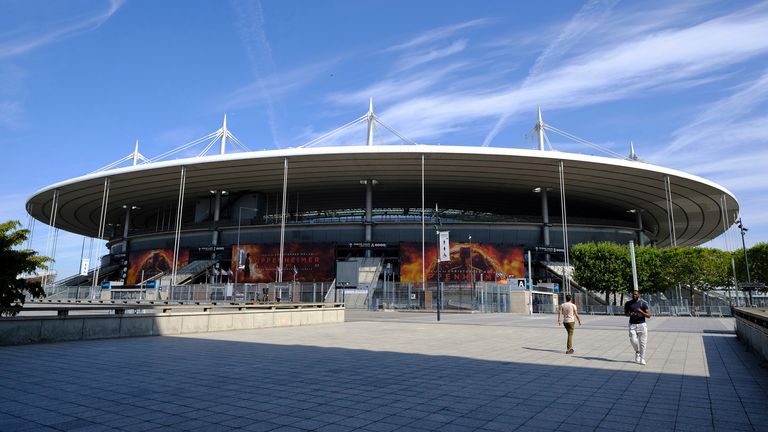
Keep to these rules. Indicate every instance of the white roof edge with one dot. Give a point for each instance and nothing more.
(389, 149)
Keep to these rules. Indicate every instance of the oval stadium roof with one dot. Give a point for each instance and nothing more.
(619, 183)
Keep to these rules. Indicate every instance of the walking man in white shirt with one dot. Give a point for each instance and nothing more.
(570, 314)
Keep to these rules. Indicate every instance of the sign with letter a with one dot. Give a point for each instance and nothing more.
(445, 247)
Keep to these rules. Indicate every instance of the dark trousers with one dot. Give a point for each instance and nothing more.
(569, 326)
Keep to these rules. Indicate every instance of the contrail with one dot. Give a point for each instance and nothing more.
(250, 24)
(579, 26)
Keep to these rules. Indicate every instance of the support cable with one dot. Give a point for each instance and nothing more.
(396, 133)
(31, 228)
(582, 141)
(209, 146)
(184, 147)
(100, 233)
(53, 249)
(237, 142)
(423, 271)
(282, 223)
(177, 238)
(334, 132)
(564, 215)
(546, 139)
(670, 211)
(51, 233)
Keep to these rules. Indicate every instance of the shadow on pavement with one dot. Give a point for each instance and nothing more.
(190, 383)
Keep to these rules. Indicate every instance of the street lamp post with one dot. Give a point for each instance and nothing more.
(438, 224)
(237, 260)
(744, 230)
(389, 286)
(437, 273)
(472, 270)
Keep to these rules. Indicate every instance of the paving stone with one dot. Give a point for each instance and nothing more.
(478, 372)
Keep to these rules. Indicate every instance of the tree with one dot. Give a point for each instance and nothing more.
(699, 269)
(601, 267)
(14, 263)
(714, 269)
(758, 263)
(650, 274)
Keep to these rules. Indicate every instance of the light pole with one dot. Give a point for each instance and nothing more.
(472, 270)
(438, 224)
(391, 285)
(237, 260)
(744, 230)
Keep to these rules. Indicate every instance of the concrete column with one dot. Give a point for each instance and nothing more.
(216, 215)
(368, 209)
(126, 223)
(545, 216)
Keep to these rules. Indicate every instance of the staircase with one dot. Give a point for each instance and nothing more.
(368, 278)
(87, 280)
(330, 295)
(369, 270)
(187, 273)
(563, 271)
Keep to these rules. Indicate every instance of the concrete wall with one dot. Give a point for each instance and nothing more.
(752, 329)
(23, 330)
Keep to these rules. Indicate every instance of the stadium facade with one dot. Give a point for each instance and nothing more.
(293, 214)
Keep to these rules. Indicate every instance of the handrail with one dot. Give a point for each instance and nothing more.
(331, 291)
(103, 270)
(553, 268)
(152, 278)
(118, 307)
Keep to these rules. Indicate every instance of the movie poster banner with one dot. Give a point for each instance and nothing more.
(488, 262)
(302, 262)
(152, 262)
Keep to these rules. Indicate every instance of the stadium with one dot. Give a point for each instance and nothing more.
(302, 215)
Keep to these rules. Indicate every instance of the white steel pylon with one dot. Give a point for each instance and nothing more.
(222, 136)
(632, 154)
(134, 157)
(223, 132)
(371, 119)
(540, 130)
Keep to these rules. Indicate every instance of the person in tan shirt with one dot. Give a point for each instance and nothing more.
(570, 315)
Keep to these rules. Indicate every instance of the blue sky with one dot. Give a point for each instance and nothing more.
(81, 81)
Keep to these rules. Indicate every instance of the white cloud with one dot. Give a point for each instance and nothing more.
(625, 69)
(22, 43)
(265, 89)
(250, 24)
(725, 122)
(418, 58)
(438, 34)
(590, 17)
(587, 19)
(393, 89)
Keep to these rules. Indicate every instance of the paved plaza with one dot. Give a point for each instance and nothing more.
(390, 371)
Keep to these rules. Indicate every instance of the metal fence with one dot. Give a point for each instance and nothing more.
(202, 293)
(661, 310)
(483, 297)
(69, 292)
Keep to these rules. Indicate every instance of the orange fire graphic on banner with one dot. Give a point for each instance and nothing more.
(302, 262)
(152, 262)
(488, 262)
